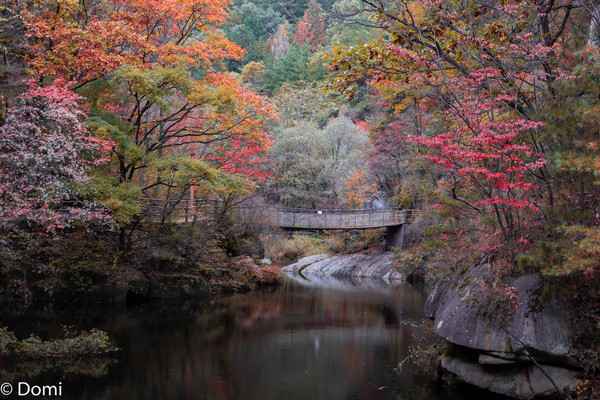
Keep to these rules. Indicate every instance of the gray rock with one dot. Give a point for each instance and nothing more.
(298, 266)
(492, 359)
(521, 381)
(379, 266)
(352, 284)
(456, 308)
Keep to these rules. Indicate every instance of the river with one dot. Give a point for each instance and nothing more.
(307, 342)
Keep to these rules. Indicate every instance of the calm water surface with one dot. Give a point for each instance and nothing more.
(326, 340)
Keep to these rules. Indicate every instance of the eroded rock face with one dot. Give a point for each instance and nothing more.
(377, 266)
(457, 309)
(502, 347)
(519, 381)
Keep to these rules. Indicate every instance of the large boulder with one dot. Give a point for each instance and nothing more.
(301, 264)
(458, 309)
(518, 381)
(517, 348)
(378, 266)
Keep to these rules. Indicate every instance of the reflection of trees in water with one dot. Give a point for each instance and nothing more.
(295, 343)
(320, 338)
(270, 343)
(260, 313)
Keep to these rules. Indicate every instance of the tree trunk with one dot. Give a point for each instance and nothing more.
(594, 33)
(123, 240)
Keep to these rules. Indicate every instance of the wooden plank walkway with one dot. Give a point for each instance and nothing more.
(325, 219)
(183, 212)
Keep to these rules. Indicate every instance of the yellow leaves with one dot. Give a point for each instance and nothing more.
(244, 99)
(157, 83)
(216, 94)
(158, 60)
(123, 199)
(582, 253)
(200, 93)
(404, 104)
(496, 32)
(590, 116)
(228, 185)
(212, 48)
(351, 65)
(253, 73)
(224, 94)
(183, 170)
(358, 189)
(577, 162)
(226, 105)
(417, 11)
(67, 9)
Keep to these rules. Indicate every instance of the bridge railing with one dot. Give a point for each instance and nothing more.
(178, 211)
(186, 211)
(327, 218)
(340, 220)
(334, 210)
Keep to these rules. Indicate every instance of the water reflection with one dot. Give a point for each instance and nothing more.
(298, 342)
(354, 283)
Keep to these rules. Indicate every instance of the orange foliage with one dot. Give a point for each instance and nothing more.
(162, 60)
(359, 189)
(82, 44)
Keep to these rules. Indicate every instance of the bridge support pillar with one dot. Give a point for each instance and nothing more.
(395, 237)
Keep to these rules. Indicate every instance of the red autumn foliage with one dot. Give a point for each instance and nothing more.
(44, 149)
(311, 30)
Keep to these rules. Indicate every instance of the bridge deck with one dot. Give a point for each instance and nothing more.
(325, 219)
(182, 212)
(287, 218)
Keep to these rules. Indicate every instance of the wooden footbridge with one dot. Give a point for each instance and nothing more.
(287, 218)
(392, 219)
(308, 219)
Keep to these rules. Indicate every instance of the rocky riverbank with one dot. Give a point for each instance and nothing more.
(352, 267)
(519, 345)
(520, 348)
